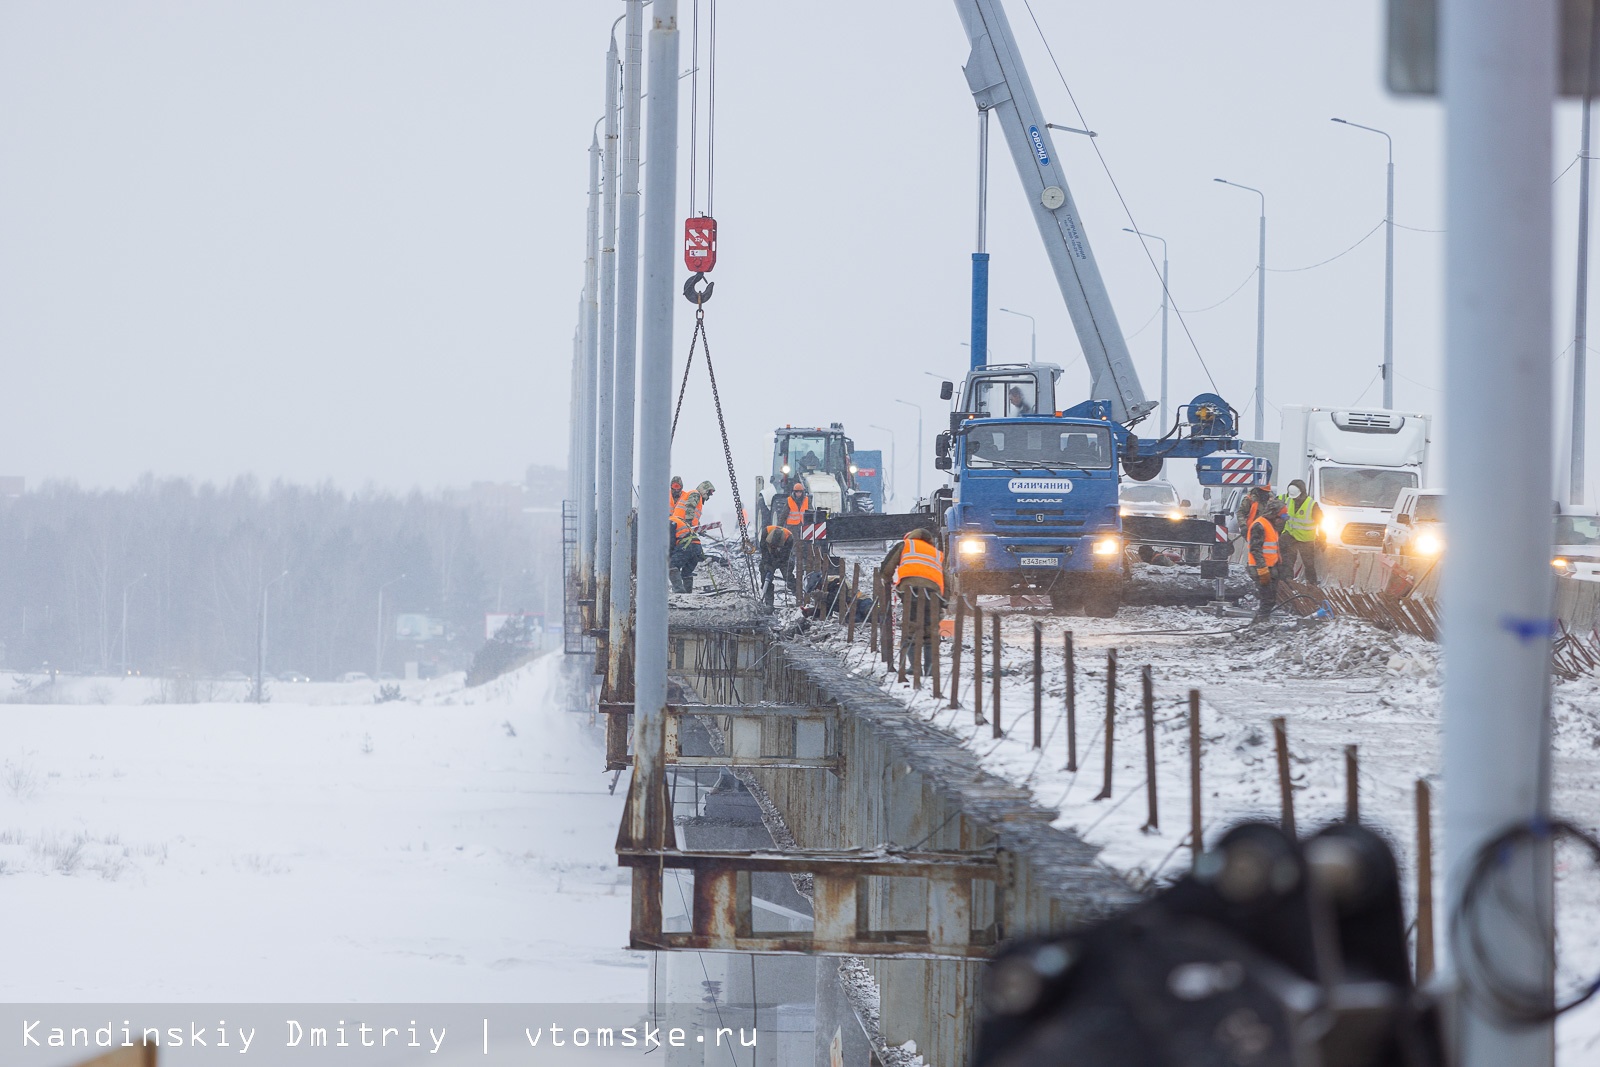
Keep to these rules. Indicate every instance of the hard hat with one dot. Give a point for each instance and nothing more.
(799, 488)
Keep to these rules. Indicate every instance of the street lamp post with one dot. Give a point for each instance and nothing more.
(909, 404)
(1261, 312)
(378, 669)
(1033, 333)
(1166, 298)
(125, 589)
(894, 476)
(1388, 270)
(261, 641)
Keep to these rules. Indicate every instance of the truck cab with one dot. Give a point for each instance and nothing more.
(1355, 464)
(1034, 505)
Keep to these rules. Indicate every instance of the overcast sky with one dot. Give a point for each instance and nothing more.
(344, 240)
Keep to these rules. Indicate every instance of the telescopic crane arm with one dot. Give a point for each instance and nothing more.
(1000, 84)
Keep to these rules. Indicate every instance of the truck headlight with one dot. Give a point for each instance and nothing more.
(1562, 567)
(1175, 516)
(852, 468)
(1107, 546)
(1331, 527)
(1122, 511)
(970, 546)
(1428, 544)
(784, 468)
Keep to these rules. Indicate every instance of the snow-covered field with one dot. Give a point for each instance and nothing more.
(1337, 683)
(453, 846)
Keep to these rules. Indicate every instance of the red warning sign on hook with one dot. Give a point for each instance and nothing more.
(700, 244)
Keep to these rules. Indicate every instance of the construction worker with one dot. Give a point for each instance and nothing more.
(1018, 402)
(1302, 526)
(1263, 558)
(1252, 504)
(777, 558)
(687, 552)
(798, 503)
(915, 567)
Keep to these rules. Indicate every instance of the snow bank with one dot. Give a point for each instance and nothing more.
(454, 846)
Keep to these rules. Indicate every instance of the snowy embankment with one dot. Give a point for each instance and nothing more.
(452, 846)
(1337, 683)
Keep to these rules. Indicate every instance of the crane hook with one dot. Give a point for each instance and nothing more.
(696, 295)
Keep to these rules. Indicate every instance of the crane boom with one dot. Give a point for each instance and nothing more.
(999, 83)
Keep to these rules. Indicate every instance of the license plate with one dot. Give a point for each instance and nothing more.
(1038, 561)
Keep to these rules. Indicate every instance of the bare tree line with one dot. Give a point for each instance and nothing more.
(193, 561)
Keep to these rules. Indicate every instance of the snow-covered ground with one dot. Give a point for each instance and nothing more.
(453, 846)
(1337, 683)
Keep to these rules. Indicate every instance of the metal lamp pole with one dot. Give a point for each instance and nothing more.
(261, 641)
(1388, 271)
(1166, 299)
(894, 472)
(909, 404)
(1261, 313)
(125, 589)
(1033, 333)
(378, 667)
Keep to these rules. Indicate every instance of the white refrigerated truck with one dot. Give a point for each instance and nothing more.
(1354, 463)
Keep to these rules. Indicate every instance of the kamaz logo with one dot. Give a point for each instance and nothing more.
(1038, 146)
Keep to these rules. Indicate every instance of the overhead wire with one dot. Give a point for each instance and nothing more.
(1126, 210)
(1237, 290)
(1330, 259)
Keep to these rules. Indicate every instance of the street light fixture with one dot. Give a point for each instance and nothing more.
(260, 693)
(909, 404)
(1388, 270)
(1261, 312)
(894, 477)
(1166, 297)
(125, 589)
(378, 670)
(1033, 333)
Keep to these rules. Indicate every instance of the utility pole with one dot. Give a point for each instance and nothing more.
(1580, 330)
(261, 642)
(125, 589)
(1261, 313)
(980, 258)
(621, 487)
(1388, 270)
(909, 404)
(649, 826)
(1497, 73)
(1166, 300)
(1033, 333)
(378, 667)
(589, 316)
(608, 341)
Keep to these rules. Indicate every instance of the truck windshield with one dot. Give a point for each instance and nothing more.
(1577, 530)
(1039, 446)
(803, 453)
(1364, 487)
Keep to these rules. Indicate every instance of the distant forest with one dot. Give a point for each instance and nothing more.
(193, 561)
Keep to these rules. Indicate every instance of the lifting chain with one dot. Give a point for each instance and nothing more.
(699, 339)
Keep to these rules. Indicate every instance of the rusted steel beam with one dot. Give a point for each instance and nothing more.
(943, 866)
(800, 944)
(791, 763)
(740, 711)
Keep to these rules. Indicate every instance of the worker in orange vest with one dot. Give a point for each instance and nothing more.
(798, 503)
(1263, 557)
(686, 551)
(915, 568)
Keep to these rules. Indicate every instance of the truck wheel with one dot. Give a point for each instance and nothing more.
(1062, 603)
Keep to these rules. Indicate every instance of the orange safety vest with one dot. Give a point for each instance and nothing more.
(918, 559)
(798, 509)
(683, 519)
(1269, 545)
